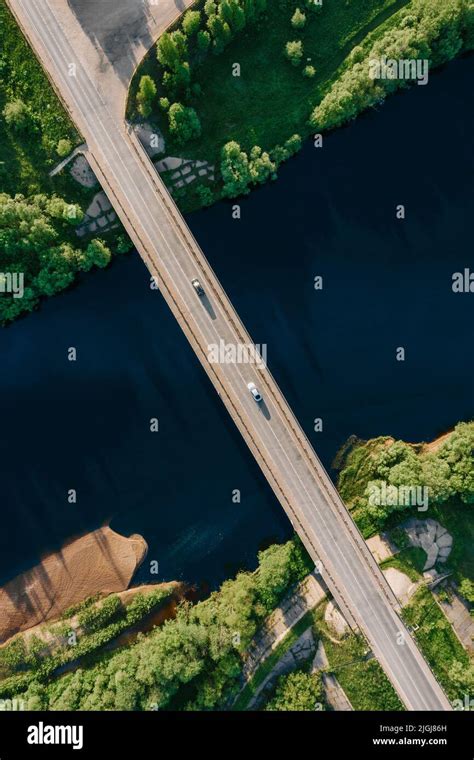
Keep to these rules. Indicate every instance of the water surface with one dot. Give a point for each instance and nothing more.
(387, 283)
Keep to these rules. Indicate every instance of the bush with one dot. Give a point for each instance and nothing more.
(297, 691)
(64, 148)
(16, 114)
(298, 20)
(184, 123)
(191, 22)
(146, 95)
(203, 40)
(94, 618)
(466, 589)
(205, 195)
(294, 52)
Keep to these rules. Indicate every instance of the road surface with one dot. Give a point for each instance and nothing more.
(270, 429)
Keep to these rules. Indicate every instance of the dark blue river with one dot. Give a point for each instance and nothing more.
(386, 284)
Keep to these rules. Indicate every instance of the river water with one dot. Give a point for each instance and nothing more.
(386, 284)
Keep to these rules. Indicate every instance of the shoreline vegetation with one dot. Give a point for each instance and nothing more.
(158, 647)
(190, 658)
(208, 87)
(39, 213)
(445, 467)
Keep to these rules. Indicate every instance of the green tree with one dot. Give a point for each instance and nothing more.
(466, 589)
(220, 33)
(309, 72)
(462, 677)
(294, 52)
(297, 691)
(261, 166)
(16, 114)
(96, 254)
(203, 40)
(298, 19)
(64, 148)
(146, 95)
(172, 49)
(184, 123)
(191, 22)
(235, 170)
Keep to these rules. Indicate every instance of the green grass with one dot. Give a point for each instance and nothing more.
(271, 100)
(23, 660)
(363, 680)
(267, 666)
(435, 637)
(409, 561)
(458, 519)
(272, 95)
(27, 156)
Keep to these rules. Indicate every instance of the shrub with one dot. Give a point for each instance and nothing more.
(16, 114)
(298, 20)
(184, 123)
(146, 95)
(95, 618)
(466, 589)
(64, 148)
(191, 22)
(294, 52)
(203, 40)
(297, 691)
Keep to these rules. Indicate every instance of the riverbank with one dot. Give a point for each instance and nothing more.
(100, 562)
(384, 482)
(319, 52)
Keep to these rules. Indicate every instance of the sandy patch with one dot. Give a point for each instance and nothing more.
(335, 620)
(381, 547)
(437, 443)
(100, 562)
(401, 585)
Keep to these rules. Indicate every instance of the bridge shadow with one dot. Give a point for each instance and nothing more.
(120, 29)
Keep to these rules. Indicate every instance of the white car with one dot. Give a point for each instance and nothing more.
(197, 287)
(255, 393)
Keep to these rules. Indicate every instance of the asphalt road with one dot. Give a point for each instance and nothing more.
(270, 430)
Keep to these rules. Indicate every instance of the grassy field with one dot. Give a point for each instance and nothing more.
(436, 638)
(366, 685)
(459, 521)
(271, 100)
(409, 561)
(27, 155)
(276, 100)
